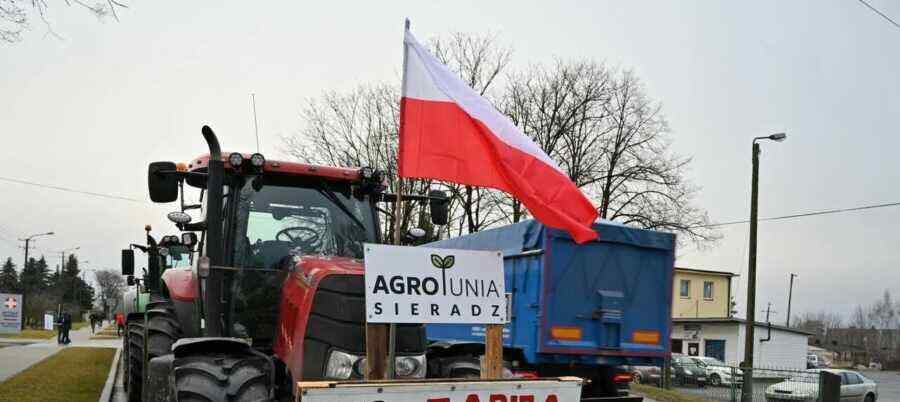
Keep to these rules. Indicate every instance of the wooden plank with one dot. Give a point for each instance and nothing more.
(376, 351)
(492, 364)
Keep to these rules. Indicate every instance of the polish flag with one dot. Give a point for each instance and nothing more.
(449, 132)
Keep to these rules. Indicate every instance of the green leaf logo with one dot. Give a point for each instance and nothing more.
(443, 262)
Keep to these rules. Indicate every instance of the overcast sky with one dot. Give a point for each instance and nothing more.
(91, 110)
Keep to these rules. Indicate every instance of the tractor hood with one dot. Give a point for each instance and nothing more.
(311, 269)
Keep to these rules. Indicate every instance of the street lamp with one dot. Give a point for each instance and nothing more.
(27, 241)
(749, 340)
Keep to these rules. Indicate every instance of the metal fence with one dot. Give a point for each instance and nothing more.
(725, 383)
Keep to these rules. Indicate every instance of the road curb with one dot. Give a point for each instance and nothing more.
(107, 393)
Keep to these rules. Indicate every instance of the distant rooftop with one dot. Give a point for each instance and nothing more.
(705, 271)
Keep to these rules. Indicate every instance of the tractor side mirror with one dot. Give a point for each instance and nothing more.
(439, 205)
(130, 280)
(163, 186)
(128, 262)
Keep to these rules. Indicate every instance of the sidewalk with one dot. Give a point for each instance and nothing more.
(18, 357)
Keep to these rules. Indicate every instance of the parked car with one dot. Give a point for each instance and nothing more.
(686, 371)
(816, 361)
(805, 387)
(719, 373)
(645, 374)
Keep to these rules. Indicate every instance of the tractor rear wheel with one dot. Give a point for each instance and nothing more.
(163, 329)
(223, 377)
(134, 375)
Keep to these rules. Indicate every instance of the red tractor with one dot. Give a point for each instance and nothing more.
(276, 293)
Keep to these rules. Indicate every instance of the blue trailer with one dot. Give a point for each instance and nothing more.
(582, 310)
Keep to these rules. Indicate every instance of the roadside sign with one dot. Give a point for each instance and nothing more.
(544, 390)
(10, 313)
(427, 285)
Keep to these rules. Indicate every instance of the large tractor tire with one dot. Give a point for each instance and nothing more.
(134, 374)
(233, 377)
(163, 328)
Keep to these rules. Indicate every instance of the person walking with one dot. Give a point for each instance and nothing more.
(120, 323)
(67, 325)
(94, 319)
(59, 329)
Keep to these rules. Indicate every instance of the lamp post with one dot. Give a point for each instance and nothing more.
(27, 241)
(787, 322)
(749, 340)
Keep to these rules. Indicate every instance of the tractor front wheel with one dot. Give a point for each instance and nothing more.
(223, 377)
(134, 374)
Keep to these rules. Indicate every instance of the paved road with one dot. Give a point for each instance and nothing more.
(20, 354)
(888, 384)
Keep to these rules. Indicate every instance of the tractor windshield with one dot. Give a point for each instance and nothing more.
(177, 256)
(280, 220)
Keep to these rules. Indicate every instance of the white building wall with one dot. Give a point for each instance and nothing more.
(727, 332)
(786, 350)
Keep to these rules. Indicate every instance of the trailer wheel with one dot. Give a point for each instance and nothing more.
(163, 329)
(135, 352)
(223, 377)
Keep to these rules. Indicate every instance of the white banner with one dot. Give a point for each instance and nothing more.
(551, 390)
(10, 313)
(428, 285)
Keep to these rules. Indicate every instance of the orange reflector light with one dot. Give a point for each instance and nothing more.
(566, 333)
(620, 378)
(181, 167)
(645, 337)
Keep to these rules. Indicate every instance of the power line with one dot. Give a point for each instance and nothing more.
(879, 13)
(805, 214)
(70, 190)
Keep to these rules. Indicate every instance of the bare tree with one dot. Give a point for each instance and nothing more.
(111, 285)
(599, 125)
(15, 15)
(882, 314)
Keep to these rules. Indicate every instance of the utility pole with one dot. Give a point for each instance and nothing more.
(787, 322)
(749, 339)
(27, 241)
(769, 312)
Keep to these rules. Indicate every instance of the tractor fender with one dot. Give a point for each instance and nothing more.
(181, 283)
(187, 346)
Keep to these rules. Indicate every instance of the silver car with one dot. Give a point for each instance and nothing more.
(717, 372)
(805, 387)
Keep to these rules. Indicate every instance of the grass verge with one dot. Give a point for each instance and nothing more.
(665, 395)
(31, 334)
(73, 375)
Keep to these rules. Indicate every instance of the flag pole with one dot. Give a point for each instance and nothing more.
(381, 338)
(398, 236)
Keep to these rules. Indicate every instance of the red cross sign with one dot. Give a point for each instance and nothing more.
(11, 303)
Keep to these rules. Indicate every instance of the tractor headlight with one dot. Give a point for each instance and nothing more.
(340, 365)
(257, 160)
(235, 159)
(410, 366)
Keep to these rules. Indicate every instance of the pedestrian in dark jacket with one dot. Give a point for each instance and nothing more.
(67, 325)
(59, 329)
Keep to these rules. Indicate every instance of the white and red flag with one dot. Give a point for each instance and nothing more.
(449, 132)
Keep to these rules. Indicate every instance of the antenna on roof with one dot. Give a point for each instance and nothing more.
(255, 125)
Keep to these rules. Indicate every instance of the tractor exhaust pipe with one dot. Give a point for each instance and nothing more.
(212, 298)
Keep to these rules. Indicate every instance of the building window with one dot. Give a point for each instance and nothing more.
(707, 290)
(685, 288)
(677, 345)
